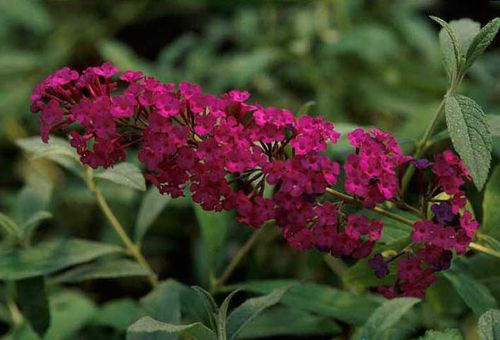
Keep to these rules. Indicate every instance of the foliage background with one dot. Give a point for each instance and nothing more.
(359, 63)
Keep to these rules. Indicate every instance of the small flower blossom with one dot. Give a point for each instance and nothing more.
(450, 172)
(379, 266)
(372, 173)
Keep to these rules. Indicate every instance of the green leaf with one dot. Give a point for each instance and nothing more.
(449, 46)
(465, 31)
(475, 294)
(222, 315)
(33, 199)
(286, 321)
(393, 231)
(214, 226)
(385, 317)
(491, 213)
(489, 325)
(34, 221)
(470, 136)
(494, 124)
(57, 150)
(250, 309)
(126, 174)
(36, 218)
(361, 275)
(163, 303)
(444, 299)
(320, 299)
(33, 302)
(152, 205)
(447, 334)
(50, 256)
(146, 328)
(70, 311)
(9, 226)
(118, 314)
(482, 40)
(109, 269)
(209, 304)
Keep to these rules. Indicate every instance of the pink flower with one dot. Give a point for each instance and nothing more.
(372, 172)
(450, 172)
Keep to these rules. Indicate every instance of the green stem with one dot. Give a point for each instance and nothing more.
(15, 313)
(456, 79)
(351, 200)
(483, 249)
(120, 231)
(422, 145)
(242, 252)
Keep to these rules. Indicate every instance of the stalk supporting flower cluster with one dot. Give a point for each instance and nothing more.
(264, 163)
(120, 231)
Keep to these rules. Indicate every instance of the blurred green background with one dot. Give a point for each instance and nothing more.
(356, 62)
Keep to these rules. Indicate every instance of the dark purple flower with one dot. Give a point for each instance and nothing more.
(378, 264)
(443, 211)
(422, 163)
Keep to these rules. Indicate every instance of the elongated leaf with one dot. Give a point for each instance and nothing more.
(449, 45)
(214, 226)
(470, 136)
(482, 40)
(118, 314)
(126, 174)
(286, 321)
(320, 299)
(57, 150)
(464, 30)
(250, 309)
(69, 311)
(32, 200)
(386, 316)
(475, 294)
(152, 205)
(102, 270)
(163, 303)
(50, 256)
(491, 213)
(489, 325)
(146, 328)
(222, 315)
(494, 124)
(448, 334)
(209, 305)
(55, 146)
(35, 220)
(32, 299)
(9, 226)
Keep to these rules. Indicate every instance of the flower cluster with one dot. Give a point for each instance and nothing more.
(263, 162)
(327, 232)
(372, 173)
(451, 229)
(225, 151)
